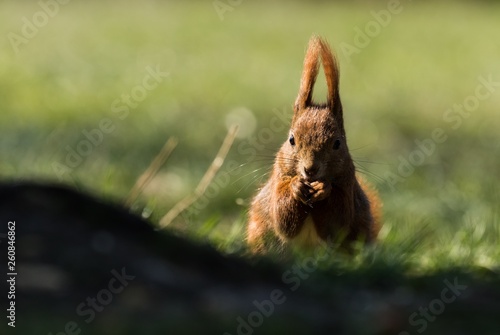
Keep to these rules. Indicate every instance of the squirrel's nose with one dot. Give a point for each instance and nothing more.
(311, 170)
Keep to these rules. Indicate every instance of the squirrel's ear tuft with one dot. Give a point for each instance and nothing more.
(319, 48)
(331, 69)
(309, 74)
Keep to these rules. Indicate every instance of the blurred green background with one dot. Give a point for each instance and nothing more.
(65, 68)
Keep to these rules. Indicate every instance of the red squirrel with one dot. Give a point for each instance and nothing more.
(313, 194)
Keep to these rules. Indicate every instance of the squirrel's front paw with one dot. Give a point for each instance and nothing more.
(309, 193)
(321, 190)
(301, 191)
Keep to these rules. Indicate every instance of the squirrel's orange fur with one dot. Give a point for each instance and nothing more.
(313, 189)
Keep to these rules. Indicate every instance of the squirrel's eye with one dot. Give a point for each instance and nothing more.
(292, 140)
(336, 144)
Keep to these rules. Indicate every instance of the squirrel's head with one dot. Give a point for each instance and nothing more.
(316, 148)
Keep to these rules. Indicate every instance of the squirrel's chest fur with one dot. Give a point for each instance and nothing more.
(307, 236)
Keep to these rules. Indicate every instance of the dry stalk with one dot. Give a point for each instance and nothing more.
(151, 171)
(205, 181)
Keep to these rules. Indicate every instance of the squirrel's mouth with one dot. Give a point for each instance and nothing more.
(312, 180)
(313, 172)
(312, 177)
(309, 179)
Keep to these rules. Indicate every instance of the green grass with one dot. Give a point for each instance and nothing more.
(395, 91)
